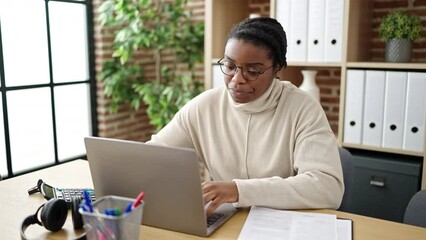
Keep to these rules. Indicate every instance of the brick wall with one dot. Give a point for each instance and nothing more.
(134, 125)
(128, 123)
(381, 8)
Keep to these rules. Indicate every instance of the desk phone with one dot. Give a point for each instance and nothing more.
(67, 194)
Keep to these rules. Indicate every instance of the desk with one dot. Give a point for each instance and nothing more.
(16, 204)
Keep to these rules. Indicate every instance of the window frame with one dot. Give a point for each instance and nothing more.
(51, 85)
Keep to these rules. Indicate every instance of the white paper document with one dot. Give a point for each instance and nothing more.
(268, 223)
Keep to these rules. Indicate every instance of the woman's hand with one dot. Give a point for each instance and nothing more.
(217, 193)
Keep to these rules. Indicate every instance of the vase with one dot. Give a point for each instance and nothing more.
(309, 85)
(398, 50)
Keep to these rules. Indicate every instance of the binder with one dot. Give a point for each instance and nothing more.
(334, 12)
(282, 13)
(316, 25)
(354, 101)
(218, 78)
(299, 31)
(414, 131)
(372, 130)
(393, 123)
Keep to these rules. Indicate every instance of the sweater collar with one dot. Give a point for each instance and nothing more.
(267, 101)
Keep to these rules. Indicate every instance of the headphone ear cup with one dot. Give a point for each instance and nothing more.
(77, 219)
(54, 214)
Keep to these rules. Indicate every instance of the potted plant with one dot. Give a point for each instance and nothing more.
(399, 30)
(163, 28)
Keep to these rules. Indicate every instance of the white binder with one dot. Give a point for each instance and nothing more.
(316, 25)
(355, 81)
(372, 130)
(218, 78)
(415, 112)
(283, 15)
(393, 123)
(334, 12)
(299, 31)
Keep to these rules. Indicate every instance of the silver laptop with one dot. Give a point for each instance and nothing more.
(169, 176)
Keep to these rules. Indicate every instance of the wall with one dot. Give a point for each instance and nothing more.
(134, 125)
(381, 8)
(127, 123)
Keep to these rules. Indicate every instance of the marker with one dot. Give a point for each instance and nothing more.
(87, 200)
(128, 208)
(112, 212)
(135, 204)
(83, 206)
(116, 212)
(138, 200)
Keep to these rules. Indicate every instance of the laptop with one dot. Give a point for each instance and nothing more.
(169, 176)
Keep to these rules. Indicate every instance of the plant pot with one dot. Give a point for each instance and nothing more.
(398, 50)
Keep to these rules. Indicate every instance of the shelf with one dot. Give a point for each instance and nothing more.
(314, 64)
(302, 64)
(359, 28)
(385, 65)
(381, 149)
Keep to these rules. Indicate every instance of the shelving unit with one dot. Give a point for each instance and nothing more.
(356, 55)
(221, 15)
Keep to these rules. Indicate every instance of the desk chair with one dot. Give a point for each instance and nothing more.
(415, 213)
(348, 172)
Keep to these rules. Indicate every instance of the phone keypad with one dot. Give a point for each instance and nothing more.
(67, 194)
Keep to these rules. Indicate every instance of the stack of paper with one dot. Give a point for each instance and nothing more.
(267, 223)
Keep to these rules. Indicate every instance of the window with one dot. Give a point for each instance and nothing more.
(46, 81)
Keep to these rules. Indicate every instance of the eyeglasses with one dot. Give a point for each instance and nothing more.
(230, 69)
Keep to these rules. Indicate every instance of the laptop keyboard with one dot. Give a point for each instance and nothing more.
(211, 219)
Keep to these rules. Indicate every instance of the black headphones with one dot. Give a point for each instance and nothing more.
(53, 215)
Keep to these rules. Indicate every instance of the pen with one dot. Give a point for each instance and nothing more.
(83, 206)
(112, 212)
(136, 203)
(138, 200)
(87, 200)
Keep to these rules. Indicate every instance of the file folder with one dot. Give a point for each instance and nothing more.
(354, 104)
(415, 112)
(282, 13)
(393, 123)
(218, 79)
(316, 25)
(372, 131)
(299, 31)
(283, 16)
(334, 12)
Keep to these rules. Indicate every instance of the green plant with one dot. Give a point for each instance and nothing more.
(161, 27)
(400, 25)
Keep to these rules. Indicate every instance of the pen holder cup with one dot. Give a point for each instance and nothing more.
(106, 227)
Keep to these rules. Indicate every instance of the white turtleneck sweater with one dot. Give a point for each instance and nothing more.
(278, 149)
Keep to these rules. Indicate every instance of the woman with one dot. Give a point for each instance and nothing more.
(264, 141)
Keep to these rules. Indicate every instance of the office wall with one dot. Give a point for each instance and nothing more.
(129, 124)
(381, 8)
